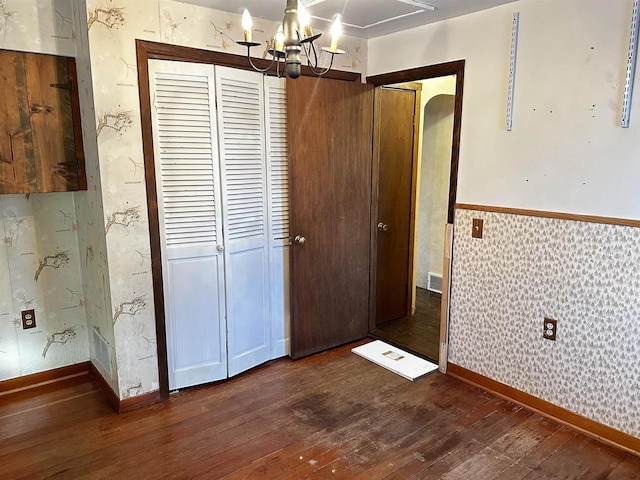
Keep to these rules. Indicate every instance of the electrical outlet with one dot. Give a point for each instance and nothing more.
(550, 329)
(28, 319)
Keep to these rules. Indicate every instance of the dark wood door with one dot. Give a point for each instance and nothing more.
(395, 141)
(330, 126)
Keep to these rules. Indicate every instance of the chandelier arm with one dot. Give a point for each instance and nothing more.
(257, 69)
(315, 56)
(309, 47)
(261, 70)
(320, 73)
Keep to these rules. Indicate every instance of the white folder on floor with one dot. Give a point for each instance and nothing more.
(398, 361)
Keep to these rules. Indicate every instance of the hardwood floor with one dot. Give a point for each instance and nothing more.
(418, 333)
(332, 415)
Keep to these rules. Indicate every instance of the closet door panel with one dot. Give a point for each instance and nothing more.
(188, 185)
(279, 238)
(249, 311)
(195, 356)
(240, 102)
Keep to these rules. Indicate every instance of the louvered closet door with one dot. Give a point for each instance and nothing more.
(187, 178)
(240, 102)
(277, 165)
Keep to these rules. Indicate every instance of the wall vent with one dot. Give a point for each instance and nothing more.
(435, 282)
(103, 354)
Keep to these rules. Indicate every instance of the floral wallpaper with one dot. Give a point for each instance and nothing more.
(584, 275)
(39, 252)
(90, 210)
(38, 26)
(40, 258)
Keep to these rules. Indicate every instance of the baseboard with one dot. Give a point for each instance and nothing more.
(139, 401)
(112, 397)
(585, 425)
(43, 378)
(128, 404)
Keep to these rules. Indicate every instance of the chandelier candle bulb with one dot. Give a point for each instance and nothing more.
(247, 24)
(280, 39)
(305, 21)
(336, 31)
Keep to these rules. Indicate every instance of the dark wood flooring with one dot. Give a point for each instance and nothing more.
(332, 415)
(418, 333)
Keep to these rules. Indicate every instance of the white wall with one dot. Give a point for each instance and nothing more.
(421, 263)
(567, 151)
(435, 169)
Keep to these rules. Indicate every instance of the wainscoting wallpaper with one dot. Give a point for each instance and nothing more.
(584, 275)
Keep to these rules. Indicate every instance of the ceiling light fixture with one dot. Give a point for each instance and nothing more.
(293, 36)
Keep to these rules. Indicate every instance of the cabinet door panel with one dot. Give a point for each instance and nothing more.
(15, 128)
(37, 142)
(49, 98)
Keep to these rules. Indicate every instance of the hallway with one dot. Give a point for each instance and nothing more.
(418, 333)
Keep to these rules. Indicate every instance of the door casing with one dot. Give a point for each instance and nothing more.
(412, 75)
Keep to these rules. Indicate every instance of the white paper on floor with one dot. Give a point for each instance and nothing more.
(396, 360)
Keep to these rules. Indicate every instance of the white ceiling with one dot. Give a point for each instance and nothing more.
(361, 18)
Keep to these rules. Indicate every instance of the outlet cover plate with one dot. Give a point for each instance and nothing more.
(550, 329)
(28, 319)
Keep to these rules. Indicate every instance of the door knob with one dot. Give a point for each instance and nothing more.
(383, 227)
(299, 239)
(220, 248)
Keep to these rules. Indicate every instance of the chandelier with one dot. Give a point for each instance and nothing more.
(293, 36)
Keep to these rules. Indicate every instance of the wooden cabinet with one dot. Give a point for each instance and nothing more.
(40, 135)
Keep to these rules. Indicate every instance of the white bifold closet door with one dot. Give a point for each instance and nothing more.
(240, 98)
(279, 239)
(221, 175)
(189, 205)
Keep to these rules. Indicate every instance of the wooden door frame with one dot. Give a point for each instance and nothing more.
(146, 50)
(411, 75)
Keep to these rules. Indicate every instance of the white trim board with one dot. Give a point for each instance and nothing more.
(395, 360)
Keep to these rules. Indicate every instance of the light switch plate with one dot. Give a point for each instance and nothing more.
(476, 232)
